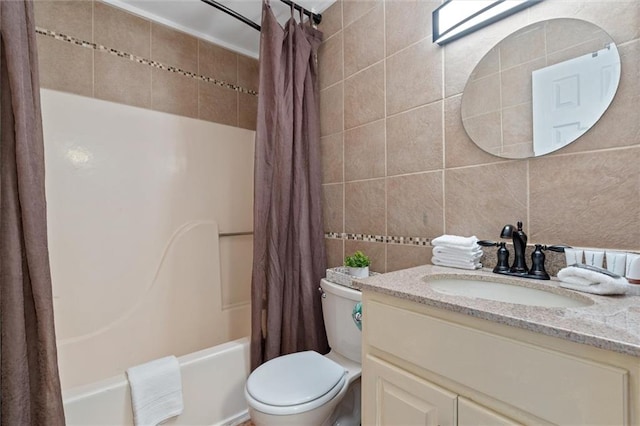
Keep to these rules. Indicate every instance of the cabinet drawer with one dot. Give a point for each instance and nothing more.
(557, 387)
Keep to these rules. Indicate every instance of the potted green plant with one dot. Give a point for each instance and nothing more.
(357, 264)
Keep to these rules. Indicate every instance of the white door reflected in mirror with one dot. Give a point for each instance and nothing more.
(568, 97)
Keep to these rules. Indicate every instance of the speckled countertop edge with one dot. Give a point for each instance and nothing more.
(610, 322)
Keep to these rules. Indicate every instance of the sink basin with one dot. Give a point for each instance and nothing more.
(509, 293)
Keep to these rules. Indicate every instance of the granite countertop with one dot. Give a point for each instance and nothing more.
(610, 322)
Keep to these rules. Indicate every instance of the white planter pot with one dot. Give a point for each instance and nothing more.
(358, 272)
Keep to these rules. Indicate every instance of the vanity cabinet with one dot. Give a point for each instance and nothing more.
(429, 366)
(402, 398)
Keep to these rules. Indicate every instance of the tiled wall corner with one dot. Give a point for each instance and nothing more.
(113, 55)
(425, 176)
(331, 20)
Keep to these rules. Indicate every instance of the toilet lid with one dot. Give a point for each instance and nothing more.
(294, 379)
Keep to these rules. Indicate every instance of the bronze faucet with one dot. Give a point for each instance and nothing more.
(519, 267)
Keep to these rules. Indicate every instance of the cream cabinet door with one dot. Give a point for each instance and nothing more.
(395, 397)
(472, 414)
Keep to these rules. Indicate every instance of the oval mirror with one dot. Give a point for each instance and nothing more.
(540, 88)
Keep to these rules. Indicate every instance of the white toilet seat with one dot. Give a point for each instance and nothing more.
(294, 383)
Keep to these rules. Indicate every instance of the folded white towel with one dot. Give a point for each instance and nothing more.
(456, 263)
(156, 391)
(594, 282)
(464, 254)
(456, 259)
(455, 241)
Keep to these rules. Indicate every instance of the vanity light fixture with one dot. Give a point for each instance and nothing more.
(457, 18)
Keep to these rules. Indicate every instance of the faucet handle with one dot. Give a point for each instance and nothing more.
(537, 263)
(503, 259)
(502, 265)
(558, 248)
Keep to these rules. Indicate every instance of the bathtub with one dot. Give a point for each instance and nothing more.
(212, 385)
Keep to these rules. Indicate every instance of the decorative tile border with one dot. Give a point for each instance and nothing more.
(415, 241)
(141, 60)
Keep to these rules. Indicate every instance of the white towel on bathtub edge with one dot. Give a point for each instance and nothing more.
(156, 391)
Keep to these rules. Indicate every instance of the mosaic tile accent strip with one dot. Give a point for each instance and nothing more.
(334, 235)
(415, 241)
(141, 60)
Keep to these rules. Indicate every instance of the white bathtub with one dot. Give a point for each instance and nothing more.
(212, 385)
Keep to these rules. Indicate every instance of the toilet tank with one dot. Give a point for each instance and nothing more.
(345, 338)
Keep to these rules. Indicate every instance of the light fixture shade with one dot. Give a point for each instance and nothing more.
(457, 18)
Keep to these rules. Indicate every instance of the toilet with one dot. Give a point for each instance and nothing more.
(310, 389)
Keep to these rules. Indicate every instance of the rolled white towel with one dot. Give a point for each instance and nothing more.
(455, 241)
(594, 282)
(475, 253)
(456, 263)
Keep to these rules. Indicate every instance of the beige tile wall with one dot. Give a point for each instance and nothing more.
(397, 161)
(84, 71)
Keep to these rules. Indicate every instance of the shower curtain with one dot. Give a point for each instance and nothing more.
(289, 257)
(29, 382)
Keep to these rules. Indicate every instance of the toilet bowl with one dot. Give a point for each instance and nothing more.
(307, 388)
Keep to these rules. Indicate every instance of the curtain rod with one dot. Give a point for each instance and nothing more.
(317, 18)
